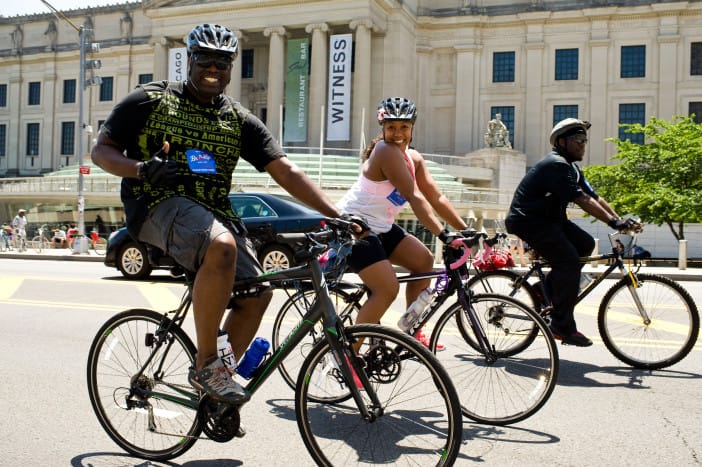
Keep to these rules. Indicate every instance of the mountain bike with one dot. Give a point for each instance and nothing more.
(645, 320)
(406, 412)
(497, 385)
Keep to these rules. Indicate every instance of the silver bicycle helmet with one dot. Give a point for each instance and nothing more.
(397, 108)
(567, 127)
(213, 38)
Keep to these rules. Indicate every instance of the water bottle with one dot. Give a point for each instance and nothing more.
(224, 351)
(253, 357)
(585, 280)
(415, 310)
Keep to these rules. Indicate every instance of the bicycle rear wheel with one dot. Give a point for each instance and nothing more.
(670, 333)
(502, 282)
(518, 375)
(289, 317)
(419, 420)
(141, 413)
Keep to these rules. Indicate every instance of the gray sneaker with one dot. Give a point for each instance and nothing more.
(216, 380)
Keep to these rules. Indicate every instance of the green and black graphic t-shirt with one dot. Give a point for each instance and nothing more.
(205, 140)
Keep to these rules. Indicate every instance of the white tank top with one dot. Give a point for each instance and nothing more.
(378, 202)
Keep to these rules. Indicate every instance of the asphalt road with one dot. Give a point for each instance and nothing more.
(601, 413)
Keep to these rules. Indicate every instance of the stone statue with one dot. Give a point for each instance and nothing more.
(497, 134)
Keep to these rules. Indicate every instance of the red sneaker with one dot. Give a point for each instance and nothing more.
(425, 341)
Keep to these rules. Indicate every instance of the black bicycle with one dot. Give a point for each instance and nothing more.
(405, 411)
(645, 320)
(497, 385)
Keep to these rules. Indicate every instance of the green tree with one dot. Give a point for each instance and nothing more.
(660, 180)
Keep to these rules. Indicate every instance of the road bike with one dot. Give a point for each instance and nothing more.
(40, 241)
(645, 320)
(406, 412)
(497, 385)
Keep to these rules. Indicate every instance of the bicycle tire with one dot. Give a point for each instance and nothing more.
(515, 381)
(117, 352)
(100, 246)
(288, 318)
(419, 421)
(667, 339)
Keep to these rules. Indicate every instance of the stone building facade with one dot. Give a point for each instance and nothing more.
(462, 61)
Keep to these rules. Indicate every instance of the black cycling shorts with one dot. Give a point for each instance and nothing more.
(377, 247)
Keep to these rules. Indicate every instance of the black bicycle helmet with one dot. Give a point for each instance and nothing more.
(397, 108)
(213, 38)
(568, 127)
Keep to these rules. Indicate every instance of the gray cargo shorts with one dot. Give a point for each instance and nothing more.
(184, 229)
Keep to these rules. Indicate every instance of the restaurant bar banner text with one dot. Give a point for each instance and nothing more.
(296, 90)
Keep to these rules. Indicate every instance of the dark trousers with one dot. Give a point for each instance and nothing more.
(561, 244)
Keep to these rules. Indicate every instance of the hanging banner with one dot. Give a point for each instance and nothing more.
(339, 92)
(296, 89)
(177, 64)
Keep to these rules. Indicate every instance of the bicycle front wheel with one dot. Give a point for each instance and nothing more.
(37, 244)
(418, 420)
(139, 411)
(651, 326)
(502, 385)
(289, 317)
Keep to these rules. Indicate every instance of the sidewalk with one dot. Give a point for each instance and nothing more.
(689, 274)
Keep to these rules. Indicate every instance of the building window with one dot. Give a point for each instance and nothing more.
(146, 78)
(32, 139)
(507, 113)
(3, 95)
(247, 63)
(106, 89)
(503, 67)
(695, 108)
(696, 58)
(561, 112)
(630, 114)
(633, 61)
(69, 91)
(34, 93)
(566, 64)
(3, 140)
(68, 138)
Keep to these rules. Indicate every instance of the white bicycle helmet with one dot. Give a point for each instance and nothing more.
(397, 108)
(565, 128)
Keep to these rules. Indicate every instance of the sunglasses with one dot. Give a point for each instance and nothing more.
(578, 139)
(206, 61)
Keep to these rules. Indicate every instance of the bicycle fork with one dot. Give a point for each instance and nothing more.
(485, 347)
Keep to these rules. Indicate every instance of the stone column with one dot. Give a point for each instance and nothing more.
(667, 88)
(276, 78)
(599, 152)
(234, 87)
(361, 92)
(533, 116)
(466, 125)
(161, 59)
(318, 80)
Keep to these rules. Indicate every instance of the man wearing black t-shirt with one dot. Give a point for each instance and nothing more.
(182, 141)
(538, 216)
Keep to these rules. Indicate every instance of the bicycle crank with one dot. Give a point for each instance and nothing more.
(219, 421)
(383, 364)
